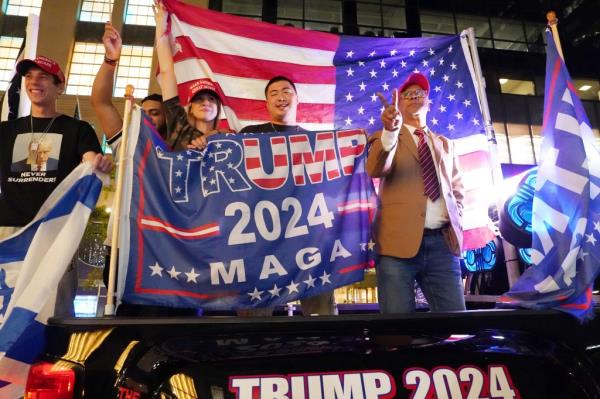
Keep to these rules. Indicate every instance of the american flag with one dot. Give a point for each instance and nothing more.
(566, 205)
(337, 78)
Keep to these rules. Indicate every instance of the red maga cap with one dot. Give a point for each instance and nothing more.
(44, 63)
(415, 79)
(202, 85)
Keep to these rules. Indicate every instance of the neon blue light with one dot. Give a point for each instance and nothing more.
(525, 255)
(477, 260)
(519, 207)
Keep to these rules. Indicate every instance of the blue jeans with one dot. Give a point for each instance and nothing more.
(436, 270)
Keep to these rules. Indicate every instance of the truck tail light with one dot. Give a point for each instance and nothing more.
(49, 381)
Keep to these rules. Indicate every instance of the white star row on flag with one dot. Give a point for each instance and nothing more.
(192, 275)
(452, 94)
(310, 282)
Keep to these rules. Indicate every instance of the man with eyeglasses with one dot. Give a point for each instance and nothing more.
(282, 103)
(419, 220)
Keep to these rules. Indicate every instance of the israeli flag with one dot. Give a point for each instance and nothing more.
(32, 262)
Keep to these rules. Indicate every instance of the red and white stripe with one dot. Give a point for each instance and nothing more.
(351, 145)
(355, 206)
(255, 168)
(204, 231)
(304, 158)
(475, 164)
(242, 55)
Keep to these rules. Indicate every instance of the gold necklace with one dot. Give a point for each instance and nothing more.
(34, 142)
(277, 131)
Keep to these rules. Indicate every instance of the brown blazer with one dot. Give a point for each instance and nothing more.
(401, 212)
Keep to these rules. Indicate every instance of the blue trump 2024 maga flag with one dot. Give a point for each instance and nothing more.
(254, 220)
(32, 262)
(566, 205)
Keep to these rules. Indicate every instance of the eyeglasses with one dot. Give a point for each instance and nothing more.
(284, 92)
(414, 94)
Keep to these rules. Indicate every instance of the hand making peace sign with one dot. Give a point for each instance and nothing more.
(391, 117)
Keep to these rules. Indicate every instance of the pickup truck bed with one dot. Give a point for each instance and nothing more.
(475, 354)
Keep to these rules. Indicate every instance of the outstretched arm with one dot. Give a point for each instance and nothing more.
(168, 82)
(101, 99)
(382, 144)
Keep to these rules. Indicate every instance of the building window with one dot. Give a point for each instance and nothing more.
(23, 7)
(520, 87)
(596, 138)
(9, 50)
(435, 22)
(380, 20)
(245, 8)
(536, 39)
(587, 89)
(501, 142)
(139, 12)
(96, 10)
(394, 20)
(536, 137)
(325, 15)
(87, 58)
(521, 145)
(480, 24)
(135, 68)
(290, 13)
(369, 18)
(508, 34)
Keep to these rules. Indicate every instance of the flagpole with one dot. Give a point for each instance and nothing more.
(79, 108)
(553, 24)
(29, 52)
(510, 252)
(109, 308)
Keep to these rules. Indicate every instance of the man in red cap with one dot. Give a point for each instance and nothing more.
(39, 150)
(419, 226)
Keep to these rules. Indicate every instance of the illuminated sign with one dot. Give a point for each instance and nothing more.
(467, 381)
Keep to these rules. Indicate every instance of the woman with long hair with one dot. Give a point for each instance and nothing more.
(187, 129)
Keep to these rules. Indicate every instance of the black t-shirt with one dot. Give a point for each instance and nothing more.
(33, 164)
(272, 128)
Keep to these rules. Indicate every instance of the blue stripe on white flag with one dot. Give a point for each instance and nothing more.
(24, 337)
(32, 262)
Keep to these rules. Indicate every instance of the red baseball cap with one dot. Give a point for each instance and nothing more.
(415, 79)
(44, 63)
(202, 85)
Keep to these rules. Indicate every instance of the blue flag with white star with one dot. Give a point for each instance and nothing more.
(254, 220)
(365, 66)
(566, 205)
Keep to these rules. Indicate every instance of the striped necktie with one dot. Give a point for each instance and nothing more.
(430, 182)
